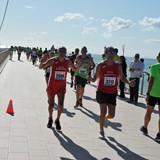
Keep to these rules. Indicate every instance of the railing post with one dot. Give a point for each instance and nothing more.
(142, 84)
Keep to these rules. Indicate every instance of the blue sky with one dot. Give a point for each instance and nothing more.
(77, 23)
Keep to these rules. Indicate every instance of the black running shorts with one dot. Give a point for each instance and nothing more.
(80, 81)
(153, 101)
(105, 98)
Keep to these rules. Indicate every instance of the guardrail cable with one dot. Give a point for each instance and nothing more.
(4, 15)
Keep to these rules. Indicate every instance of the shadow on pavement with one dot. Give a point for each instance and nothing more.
(148, 136)
(114, 125)
(90, 114)
(69, 114)
(89, 98)
(74, 149)
(123, 151)
(139, 104)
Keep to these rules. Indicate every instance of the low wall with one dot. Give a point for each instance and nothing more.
(3, 59)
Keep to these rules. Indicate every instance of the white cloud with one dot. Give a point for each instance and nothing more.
(32, 34)
(28, 38)
(117, 23)
(91, 18)
(157, 41)
(151, 24)
(129, 38)
(69, 16)
(29, 7)
(107, 35)
(89, 30)
(44, 33)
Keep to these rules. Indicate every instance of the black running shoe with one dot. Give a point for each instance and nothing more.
(58, 126)
(50, 122)
(76, 105)
(157, 138)
(144, 130)
(71, 84)
(80, 102)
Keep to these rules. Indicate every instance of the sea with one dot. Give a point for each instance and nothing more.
(143, 81)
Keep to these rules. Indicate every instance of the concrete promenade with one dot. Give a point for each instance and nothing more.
(25, 136)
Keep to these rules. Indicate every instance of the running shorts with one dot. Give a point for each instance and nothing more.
(105, 98)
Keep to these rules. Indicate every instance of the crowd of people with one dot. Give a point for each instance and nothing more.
(111, 72)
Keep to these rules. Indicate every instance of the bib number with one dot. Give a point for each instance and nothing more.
(59, 75)
(109, 81)
(82, 71)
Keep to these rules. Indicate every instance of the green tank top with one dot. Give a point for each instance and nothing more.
(83, 70)
(155, 72)
(55, 54)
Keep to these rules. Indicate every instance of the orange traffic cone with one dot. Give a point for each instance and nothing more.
(10, 108)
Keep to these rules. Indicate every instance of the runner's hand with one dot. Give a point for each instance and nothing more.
(132, 83)
(147, 99)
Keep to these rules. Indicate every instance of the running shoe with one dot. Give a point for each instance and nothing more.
(50, 122)
(77, 104)
(71, 84)
(157, 138)
(101, 134)
(58, 126)
(144, 130)
(80, 102)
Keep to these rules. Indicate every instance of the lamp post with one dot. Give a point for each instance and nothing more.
(123, 48)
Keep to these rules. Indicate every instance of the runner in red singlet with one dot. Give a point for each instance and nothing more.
(108, 73)
(57, 83)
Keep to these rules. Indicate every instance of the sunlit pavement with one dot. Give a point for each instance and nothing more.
(25, 136)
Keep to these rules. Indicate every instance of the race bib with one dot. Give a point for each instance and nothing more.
(59, 75)
(83, 71)
(109, 81)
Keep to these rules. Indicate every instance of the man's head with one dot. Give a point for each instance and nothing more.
(84, 50)
(76, 51)
(136, 57)
(158, 57)
(110, 52)
(62, 51)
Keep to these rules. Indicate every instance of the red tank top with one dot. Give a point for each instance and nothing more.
(108, 78)
(57, 79)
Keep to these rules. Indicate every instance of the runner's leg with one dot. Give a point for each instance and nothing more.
(147, 117)
(103, 111)
(60, 105)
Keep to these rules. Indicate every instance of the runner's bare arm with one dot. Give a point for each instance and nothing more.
(92, 64)
(46, 64)
(74, 68)
(96, 75)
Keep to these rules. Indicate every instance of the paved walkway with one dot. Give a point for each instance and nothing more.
(25, 136)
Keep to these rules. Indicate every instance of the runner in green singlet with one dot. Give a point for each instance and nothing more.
(82, 74)
(153, 97)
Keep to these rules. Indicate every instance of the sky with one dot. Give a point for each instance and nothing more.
(132, 25)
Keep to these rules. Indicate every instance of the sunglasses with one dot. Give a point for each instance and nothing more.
(111, 52)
